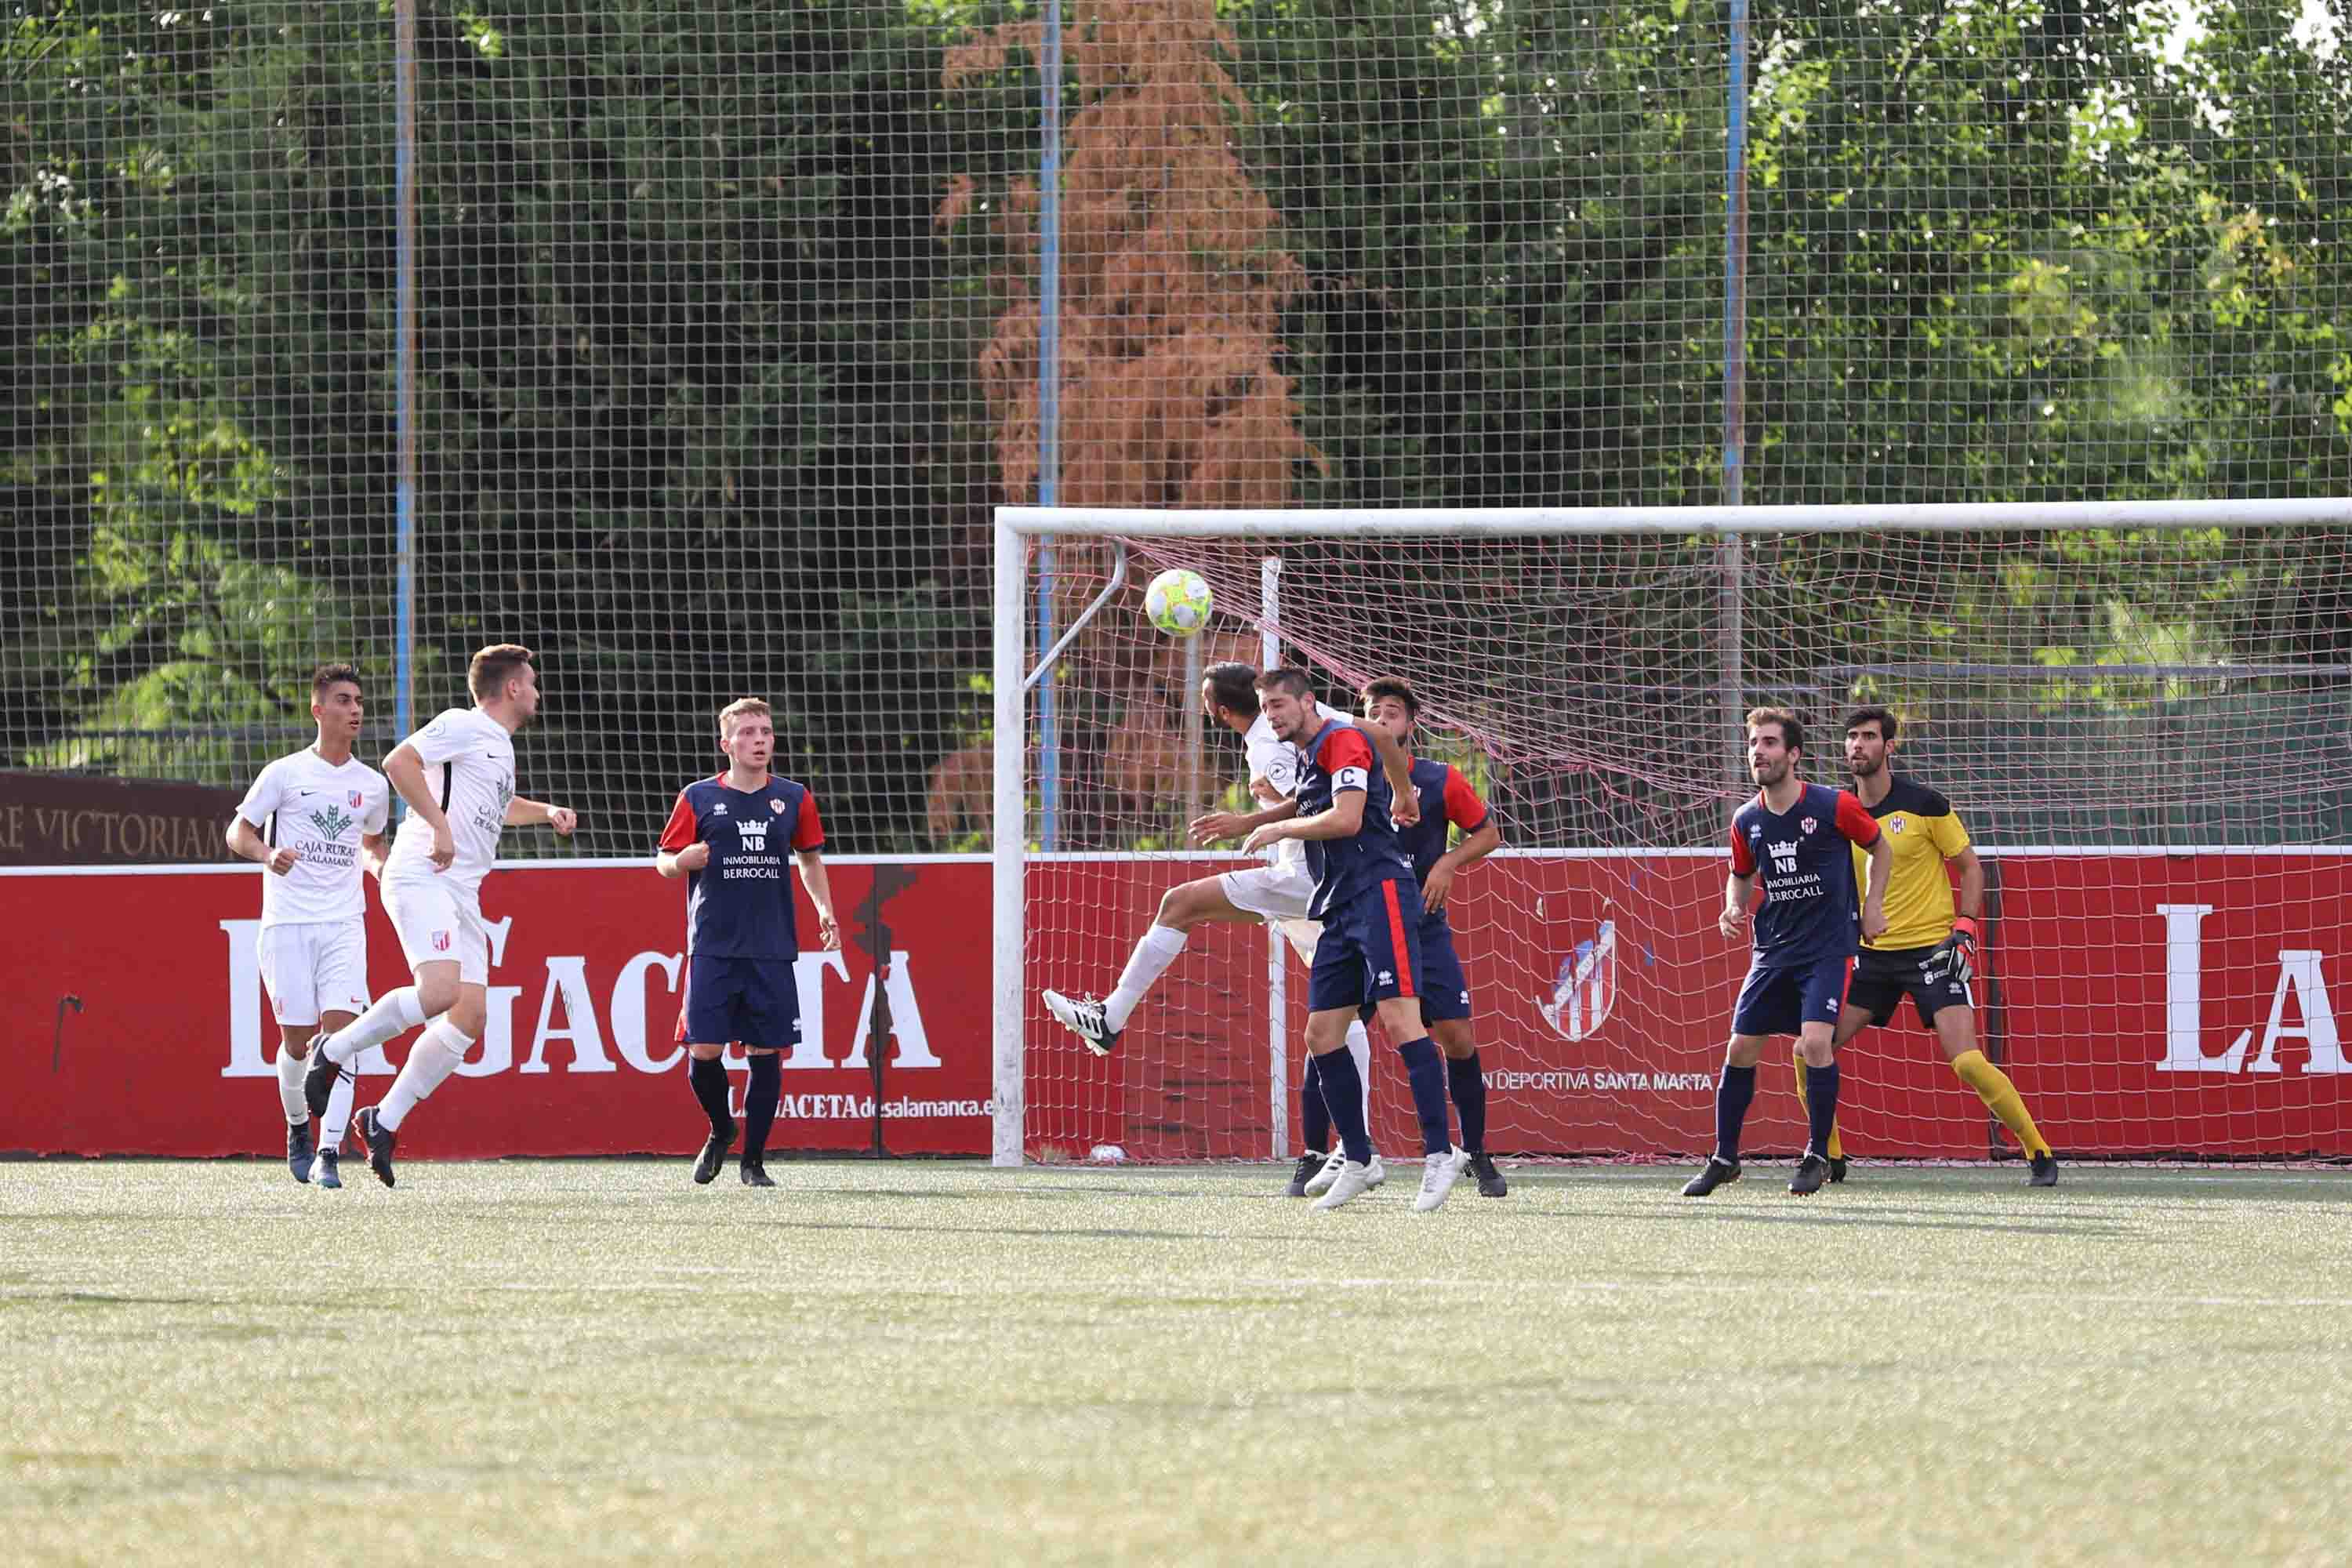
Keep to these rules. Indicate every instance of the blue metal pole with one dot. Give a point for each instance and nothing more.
(405, 333)
(1049, 412)
(1735, 263)
(1732, 598)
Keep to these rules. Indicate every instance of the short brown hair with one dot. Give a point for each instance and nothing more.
(1792, 734)
(492, 667)
(1230, 687)
(1888, 725)
(328, 675)
(1293, 682)
(1393, 686)
(741, 707)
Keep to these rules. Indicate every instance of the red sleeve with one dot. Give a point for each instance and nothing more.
(1345, 748)
(808, 833)
(680, 830)
(1853, 820)
(1463, 806)
(1743, 862)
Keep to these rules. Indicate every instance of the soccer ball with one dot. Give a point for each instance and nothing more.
(1179, 602)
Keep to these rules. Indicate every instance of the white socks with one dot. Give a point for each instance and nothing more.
(338, 1119)
(1360, 1046)
(431, 1060)
(1154, 952)
(290, 1068)
(393, 1012)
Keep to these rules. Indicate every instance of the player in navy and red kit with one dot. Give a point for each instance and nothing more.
(1795, 837)
(1366, 897)
(1447, 800)
(726, 837)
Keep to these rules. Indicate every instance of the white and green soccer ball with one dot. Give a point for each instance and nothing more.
(1179, 602)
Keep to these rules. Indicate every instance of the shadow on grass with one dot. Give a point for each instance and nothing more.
(1875, 1219)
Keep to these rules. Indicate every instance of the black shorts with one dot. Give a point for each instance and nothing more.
(1883, 978)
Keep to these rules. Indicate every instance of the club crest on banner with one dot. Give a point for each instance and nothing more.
(1586, 988)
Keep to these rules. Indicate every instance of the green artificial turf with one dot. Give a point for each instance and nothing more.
(577, 1362)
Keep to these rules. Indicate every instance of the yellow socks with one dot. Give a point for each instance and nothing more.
(2001, 1096)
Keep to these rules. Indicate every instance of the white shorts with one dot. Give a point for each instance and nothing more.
(314, 969)
(1303, 935)
(1276, 892)
(439, 924)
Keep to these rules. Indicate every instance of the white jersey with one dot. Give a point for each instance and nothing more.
(469, 767)
(1277, 762)
(308, 804)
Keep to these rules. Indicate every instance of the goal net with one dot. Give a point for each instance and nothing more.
(2144, 721)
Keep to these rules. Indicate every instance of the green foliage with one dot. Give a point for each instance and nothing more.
(694, 353)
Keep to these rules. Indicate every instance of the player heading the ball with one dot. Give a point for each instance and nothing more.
(1279, 893)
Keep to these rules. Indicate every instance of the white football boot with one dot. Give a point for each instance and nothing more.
(1439, 1172)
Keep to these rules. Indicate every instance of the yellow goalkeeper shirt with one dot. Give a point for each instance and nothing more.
(1926, 832)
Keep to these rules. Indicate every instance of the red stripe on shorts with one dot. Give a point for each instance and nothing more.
(1396, 941)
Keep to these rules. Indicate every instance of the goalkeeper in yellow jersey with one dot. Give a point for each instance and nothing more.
(1929, 950)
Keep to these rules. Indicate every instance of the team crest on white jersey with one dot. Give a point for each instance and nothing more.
(1586, 988)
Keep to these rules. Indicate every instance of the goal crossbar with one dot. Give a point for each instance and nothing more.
(1919, 517)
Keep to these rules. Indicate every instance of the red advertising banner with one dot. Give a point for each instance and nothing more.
(2143, 1004)
(137, 1022)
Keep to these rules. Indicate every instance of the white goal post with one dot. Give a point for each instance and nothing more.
(1066, 633)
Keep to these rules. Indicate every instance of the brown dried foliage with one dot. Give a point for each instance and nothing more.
(1173, 281)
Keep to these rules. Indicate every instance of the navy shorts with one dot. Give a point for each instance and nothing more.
(1778, 1001)
(1369, 950)
(1445, 989)
(747, 1001)
(1883, 977)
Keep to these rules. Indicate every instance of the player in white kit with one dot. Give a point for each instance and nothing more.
(457, 776)
(314, 819)
(1277, 892)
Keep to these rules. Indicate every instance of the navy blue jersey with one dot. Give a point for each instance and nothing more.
(1447, 799)
(739, 905)
(1811, 910)
(1339, 759)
